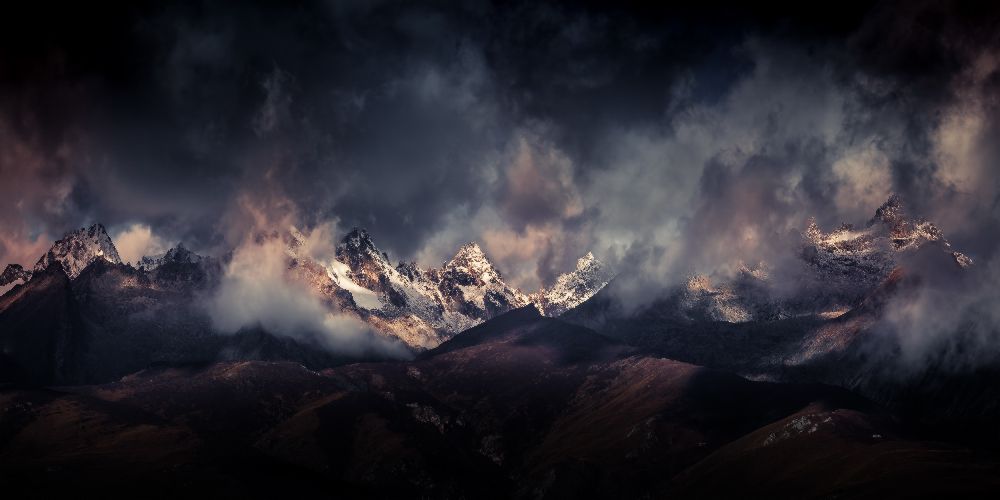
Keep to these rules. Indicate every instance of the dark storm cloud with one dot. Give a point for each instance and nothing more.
(651, 135)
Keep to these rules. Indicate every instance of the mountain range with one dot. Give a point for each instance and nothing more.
(750, 384)
(163, 296)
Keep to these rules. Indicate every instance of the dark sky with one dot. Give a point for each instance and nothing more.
(681, 139)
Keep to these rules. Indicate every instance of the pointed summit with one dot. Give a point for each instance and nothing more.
(358, 245)
(77, 249)
(586, 262)
(367, 264)
(891, 212)
(574, 287)
(471, 260)
(471, 250)
(813, 231)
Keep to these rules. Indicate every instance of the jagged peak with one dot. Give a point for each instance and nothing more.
(357, 247)
(470, 250)
(77, 249)
(471, 256)
(358, 240)
(891, 212)
(93, 231)
(13, 268)
(358, 236)
(587, 261)
(13, 273)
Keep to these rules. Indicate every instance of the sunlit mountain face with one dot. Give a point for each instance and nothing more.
(499, 250)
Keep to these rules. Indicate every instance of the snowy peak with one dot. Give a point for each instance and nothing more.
(891, 212)
(471, 260)
(905, 233)
(573, 288)
(358, 249)
(855, 260)
(77, 249)
(588, 262)
(472, 286)
(470, 251)
(358, 241)
(369, 266)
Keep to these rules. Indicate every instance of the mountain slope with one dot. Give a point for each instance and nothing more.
(522, 406)
(41, 333)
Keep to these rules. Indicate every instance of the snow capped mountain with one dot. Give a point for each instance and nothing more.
(841, 267)
(471, 285)
(859, 259)
(835, 271)
(77, 249)
(424, 307)
(574, 287)
(368, 266)
(421, 307)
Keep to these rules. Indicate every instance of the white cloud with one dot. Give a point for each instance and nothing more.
(137, 241)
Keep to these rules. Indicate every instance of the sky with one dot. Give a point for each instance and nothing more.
(672, 140)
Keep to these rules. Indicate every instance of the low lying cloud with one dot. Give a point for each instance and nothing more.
(256, 291)
(136, 241)
(949, 321)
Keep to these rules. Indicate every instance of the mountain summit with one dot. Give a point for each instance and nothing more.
(572, 288)
(855, 260)
(77, 249)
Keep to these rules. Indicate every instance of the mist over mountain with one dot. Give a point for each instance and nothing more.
(500, 249)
